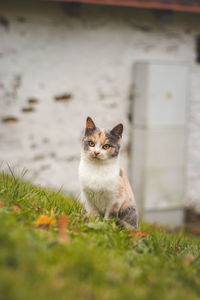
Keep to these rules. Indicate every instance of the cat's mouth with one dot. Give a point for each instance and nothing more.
(96, 158)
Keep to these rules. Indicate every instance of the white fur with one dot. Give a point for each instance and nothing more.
(99, 180)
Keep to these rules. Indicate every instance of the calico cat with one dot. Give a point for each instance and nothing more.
(105, 189)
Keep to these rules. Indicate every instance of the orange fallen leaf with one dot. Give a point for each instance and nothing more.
(62, 229)
(176, 248)
(188, 259)
(45, 221)
(138, 234)
(16, 208)
(1, 203)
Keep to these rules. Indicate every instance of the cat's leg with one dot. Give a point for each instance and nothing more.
(112, 211)
(86, 204)
(128, 216)
(91, 210)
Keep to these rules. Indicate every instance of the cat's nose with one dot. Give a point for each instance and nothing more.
(96, 153)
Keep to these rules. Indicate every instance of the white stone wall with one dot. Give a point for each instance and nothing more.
(193, 144)
(45, 52)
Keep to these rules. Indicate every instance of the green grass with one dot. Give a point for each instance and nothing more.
(100, 261)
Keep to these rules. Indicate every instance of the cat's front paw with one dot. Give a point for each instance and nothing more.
(94, 213)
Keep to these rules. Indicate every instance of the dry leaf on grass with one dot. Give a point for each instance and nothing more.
(62, 229)
(188, 259)
(1, 203)
(16, 208)
(138, 234)
(176, 248)
(45, 221)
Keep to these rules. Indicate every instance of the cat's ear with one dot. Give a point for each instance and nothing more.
(117, 130)
(90, 126)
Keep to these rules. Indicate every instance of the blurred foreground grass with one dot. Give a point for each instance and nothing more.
(97, 260)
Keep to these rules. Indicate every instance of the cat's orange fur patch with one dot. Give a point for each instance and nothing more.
(103, 139)
(89, 123)
(124, 188)
(111, 150)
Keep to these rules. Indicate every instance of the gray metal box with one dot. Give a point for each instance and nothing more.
(158, 152)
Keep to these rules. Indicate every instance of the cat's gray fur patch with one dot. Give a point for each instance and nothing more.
(113, 142)
(129, 215)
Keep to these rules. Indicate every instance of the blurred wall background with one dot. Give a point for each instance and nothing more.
(61, 63)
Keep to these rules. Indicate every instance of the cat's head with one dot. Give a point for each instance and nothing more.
(100, 144)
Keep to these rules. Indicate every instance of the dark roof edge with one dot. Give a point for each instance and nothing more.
(135, 3)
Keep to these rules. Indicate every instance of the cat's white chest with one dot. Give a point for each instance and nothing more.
(98, 183)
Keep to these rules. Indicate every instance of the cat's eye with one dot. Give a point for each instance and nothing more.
(106, 147)
(91, 143)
